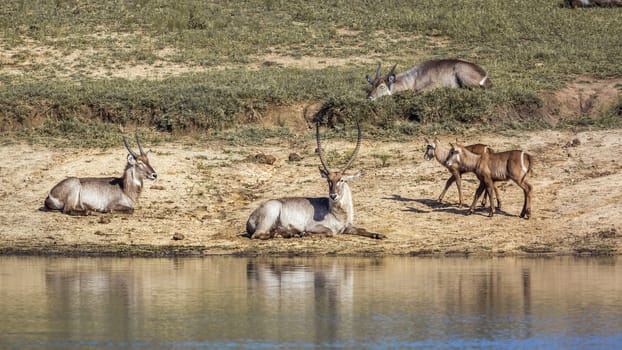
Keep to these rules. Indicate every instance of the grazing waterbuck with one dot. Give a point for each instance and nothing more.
(490, 167)
(298, 216)
(435, 150)
(428, 75)
(82, 196)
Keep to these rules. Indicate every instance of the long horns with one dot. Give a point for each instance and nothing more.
(391, 72)
(319, 146)
(129, 149)
(378, 71)
(321, 153)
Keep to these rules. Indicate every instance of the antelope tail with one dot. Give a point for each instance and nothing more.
(525, 158)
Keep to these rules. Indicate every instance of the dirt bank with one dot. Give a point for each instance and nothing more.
(205, 192)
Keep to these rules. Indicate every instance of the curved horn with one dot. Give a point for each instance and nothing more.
(391, 72)
(319, 146)
(128, 148)
(378, 71)
(356, 149)
(139, 145)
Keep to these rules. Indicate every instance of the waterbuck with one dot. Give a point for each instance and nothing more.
(428, 75)
(435, 150)
(490, 167)
(298, 216)
(82, 196)
(593, 3)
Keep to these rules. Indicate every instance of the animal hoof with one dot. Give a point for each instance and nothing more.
(260, 235)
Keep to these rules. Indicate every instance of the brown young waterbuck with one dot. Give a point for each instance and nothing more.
(489, 167)
(435, 150)
(297, 216)
(82, 196)
(428, 75)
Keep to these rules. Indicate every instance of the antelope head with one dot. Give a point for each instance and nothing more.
(337, 180)
(139, 162)
(454, 155)
(381, 86)
(430, 149)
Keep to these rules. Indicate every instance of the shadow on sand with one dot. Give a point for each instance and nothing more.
(435, 206)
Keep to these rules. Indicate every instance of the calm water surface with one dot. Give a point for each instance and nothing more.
(305, 303)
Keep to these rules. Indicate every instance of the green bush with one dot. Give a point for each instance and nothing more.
(441, 109)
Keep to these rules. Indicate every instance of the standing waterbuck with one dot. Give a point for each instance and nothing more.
(435, 150)
(490, 167)
(428, 75)
(82, 196)
(297, 216)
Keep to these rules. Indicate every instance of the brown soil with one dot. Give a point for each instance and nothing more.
(205, 191)
(583, 97)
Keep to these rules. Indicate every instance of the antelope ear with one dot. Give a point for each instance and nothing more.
(352, 177)
(369, 79)
(131, 160)
(391, 75)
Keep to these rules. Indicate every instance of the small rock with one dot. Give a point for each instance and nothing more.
(104, 219)
(269, 159)
(263, 158)
(294, 157)
(573, 143)
(178, 236)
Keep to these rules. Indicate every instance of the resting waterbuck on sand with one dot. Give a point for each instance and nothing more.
(435, 150)
(299, 216)
(82, 196)
(428, 75)
(490, 167)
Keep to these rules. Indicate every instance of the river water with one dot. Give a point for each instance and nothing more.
(309, 303)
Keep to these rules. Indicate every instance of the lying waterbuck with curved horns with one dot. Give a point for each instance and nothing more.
(428, 75)
(81, 196)
(297, 216)
(490, 167)
(435, 150)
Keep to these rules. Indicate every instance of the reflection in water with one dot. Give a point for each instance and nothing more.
(352, 303)
(319, 290)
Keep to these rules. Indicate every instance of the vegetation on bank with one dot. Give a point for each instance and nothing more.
(64, 69)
